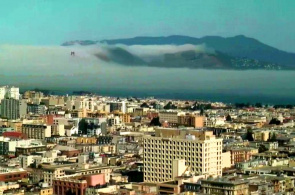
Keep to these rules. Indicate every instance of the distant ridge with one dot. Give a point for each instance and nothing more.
(236, 47)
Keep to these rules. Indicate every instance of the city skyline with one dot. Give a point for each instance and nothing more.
(154, 97)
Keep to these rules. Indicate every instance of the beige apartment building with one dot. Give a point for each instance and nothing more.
(201, 150)
(190, 120)
(32, 94)
(226, 159)
(261, 135)
(51, 173)
(36, 131)
(17, 125)
(169, 116)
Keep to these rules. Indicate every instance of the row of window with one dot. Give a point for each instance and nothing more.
(171, 142)
(148, 179)
(12, 176)
(184, 142)
(180, 155)
(155, 154)
(170, 147)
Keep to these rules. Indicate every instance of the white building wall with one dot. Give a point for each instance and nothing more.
(48, 131)
(10, 92)
(203, 156)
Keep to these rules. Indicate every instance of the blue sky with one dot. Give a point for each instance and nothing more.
(51, 22)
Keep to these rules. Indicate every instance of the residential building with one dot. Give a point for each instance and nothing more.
(9, 92)
(259, 135)
(114, 121)
(38, 109)
(52, 173)
(12, 174)
(169, 116)
(90, 126)
(118, 106)
(125, 118)
(191, 121)
(8, 146)
(16, 125)
(178, 185)
(226, 159)
(58, 130)
(23, 108)
(28, 150)
(10, 109)
(5, 129)
(33, 95)
(77, 184)
(85, 169)
(242, 154)
(46, 191)
(201, 150)
(8, 186)
(223, 186)
(36, 131)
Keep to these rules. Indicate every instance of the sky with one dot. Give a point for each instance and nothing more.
(52, 22)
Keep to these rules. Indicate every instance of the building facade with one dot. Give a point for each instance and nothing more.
(37, 109)
(36, 131)
(90, 126)
(63, 186)
(170, 117)
(9, 92)
(225, 187)
(10, 109)
(201, 150)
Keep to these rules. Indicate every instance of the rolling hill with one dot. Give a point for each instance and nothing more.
(238, 52)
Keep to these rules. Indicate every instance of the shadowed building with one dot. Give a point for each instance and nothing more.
(10, 109)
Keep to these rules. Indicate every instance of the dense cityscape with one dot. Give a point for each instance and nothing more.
(96, 145)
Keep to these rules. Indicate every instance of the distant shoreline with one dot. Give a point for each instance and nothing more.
(209, 97)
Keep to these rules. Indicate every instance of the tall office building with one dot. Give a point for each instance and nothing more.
(201, 150)
(10, 109)
(9, 92)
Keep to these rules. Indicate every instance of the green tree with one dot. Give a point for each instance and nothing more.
(202, 112)
(249, 135)
(274, 121)
(228, 118)
(289, 106)
(273, 137)
(144, 105)
(262, 148)
(169, 105)
(119, 163)
(155, 122)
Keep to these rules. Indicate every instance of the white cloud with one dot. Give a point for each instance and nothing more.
(157, 50)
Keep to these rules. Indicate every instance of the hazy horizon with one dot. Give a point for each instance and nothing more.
(53, 68)
(32, 31)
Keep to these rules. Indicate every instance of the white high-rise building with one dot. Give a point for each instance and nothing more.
(9, 92)
(201, 150)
